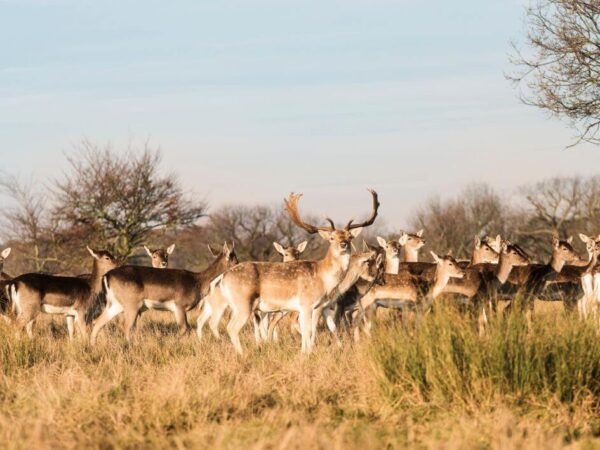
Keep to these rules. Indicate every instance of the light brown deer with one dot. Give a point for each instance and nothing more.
(392, 250)
(33, 293)
(301, 286)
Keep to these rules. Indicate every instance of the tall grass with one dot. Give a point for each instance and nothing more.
(434, 385)
(445, 361)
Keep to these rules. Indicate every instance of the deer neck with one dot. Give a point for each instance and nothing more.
(439, 283)
(392, 264)
(503, 269)
(410, 254)
(332, 269)
(557, 263)
(96, 278)
(216, 268)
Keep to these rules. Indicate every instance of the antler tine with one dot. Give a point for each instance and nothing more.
(373, 216)
(291, 204)
(330, 222)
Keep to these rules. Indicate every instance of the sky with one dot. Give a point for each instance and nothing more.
(249, 100)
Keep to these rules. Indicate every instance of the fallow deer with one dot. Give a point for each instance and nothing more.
(538, 276)
(130, 288)
(32, 293)
(405, 289)
(301, 286)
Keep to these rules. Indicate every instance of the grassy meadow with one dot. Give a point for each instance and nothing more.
(435, 384)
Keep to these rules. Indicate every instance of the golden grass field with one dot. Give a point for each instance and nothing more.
(434, 385)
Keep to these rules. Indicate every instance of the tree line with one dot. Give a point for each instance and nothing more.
(121, 200)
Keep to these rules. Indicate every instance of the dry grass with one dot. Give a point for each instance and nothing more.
(166, 391)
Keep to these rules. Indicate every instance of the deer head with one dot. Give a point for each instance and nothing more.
(160, 256)
(290, 253)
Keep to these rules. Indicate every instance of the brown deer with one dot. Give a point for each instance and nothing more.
(73, 297)
(539, 276)
(406, 290)
(131, 288)
(301, 286)
(160, 256)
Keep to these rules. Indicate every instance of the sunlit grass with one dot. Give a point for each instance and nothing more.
(437, 383)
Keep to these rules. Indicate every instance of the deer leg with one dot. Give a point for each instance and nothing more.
(130, 318)
(239, 317)
(215, 319)
(329, 316)
(70, 326)
(181, 319)
(305, 318)
(113, 309)
(202, 318)
(272, 331)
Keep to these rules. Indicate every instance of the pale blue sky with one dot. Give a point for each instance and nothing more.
(252, 99)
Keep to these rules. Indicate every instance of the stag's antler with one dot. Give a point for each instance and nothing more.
(291, 204)
(371, 219)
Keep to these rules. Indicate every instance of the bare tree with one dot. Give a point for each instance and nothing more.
(560, 66)
(27, 225)
(559, 206)
(254, 229)
(450, 225)
(120, 197)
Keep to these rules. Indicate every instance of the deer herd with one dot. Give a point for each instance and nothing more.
(343, 289)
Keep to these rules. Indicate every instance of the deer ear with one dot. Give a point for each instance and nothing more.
(420, 233)
(325, 234)
(225, 248)
(356, 231)
(477, 242)
(211, 251)
(570, 240)
(403, 238)
(92, 252)
(555, 241)
(503, 246)
(382, 242)
(435, 257)
(302, 246)
(170, 249)
(148, 251)
(5, 253)
(353, 247)
(278, 247)
(584, 238)
(379, 260)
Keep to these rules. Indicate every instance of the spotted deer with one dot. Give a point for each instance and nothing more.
(160, 256)
(72, 297)
(301, 286)
(406, 290)
(538, 276)
(131, 288)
